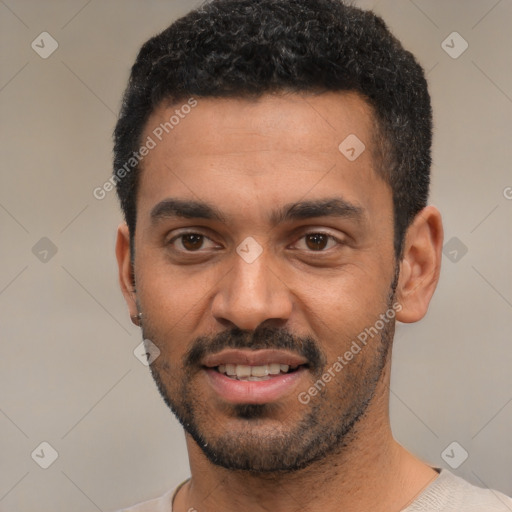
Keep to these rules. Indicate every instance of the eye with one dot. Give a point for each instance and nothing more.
(317, 241)
(191, 242)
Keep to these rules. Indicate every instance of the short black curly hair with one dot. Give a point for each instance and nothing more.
(248, 48)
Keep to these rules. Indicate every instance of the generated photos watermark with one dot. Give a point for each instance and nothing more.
(150, 143)
(363, 337)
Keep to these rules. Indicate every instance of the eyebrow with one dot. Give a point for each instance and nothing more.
(187, 209)
(301, 210)
(329, 207)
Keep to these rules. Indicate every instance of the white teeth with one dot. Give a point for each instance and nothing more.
(274, 369)
(260, 372)
(230, 369)
(243, 370)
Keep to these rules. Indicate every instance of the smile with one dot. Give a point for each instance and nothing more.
(255, 373)
(254, 376)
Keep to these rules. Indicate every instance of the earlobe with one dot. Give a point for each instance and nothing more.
(421, 264)
(125, 268)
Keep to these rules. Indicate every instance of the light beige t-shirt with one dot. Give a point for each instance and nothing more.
(447, 493)
(162, 504)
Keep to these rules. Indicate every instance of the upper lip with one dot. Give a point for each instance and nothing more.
(253, 358)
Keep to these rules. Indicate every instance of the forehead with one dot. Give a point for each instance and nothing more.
(277, 146)
(298, 122)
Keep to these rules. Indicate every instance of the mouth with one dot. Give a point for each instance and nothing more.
(254, 377)
(255, 373)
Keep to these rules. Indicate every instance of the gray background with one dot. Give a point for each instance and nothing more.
(68, 373)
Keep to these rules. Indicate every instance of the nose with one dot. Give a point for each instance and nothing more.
(252, 293)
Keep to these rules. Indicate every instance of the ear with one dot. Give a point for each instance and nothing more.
(421, 264)
(124, 264)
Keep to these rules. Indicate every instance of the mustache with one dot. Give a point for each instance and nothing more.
(260, 338)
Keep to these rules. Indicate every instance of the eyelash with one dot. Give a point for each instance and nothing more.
(323, 233)
(328, 235)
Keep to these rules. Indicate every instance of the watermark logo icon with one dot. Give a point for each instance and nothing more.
(44, 250)
(249, 250)
(352, 147)
(454, 45)
(454, 455)
(454, 249)
(146, 352)
(44, 45)
(44, 455)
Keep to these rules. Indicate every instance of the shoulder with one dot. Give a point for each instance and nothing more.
(450, 493)
(161, 504)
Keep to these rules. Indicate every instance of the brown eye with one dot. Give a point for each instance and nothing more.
(316, 241)
(192, 242)
(189, 242)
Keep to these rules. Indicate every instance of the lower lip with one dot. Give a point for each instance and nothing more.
(254, 392)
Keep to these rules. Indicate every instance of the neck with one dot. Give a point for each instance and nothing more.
(372, 472)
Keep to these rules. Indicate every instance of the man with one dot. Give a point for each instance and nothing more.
(272, 160)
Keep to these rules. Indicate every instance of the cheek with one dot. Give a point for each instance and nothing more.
(176, 306)
(337, 309)
(168, 292)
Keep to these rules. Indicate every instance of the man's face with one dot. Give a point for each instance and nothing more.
(285, 257)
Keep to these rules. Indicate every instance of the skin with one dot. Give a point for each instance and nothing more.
(248, 158)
